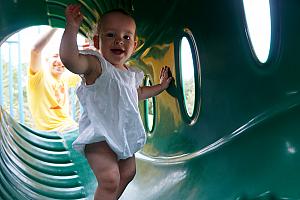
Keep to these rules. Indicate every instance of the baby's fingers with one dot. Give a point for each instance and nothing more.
(163, 72)
(73, 14)
(70, 8)
(76, 9)
(73, 7)
(73, 10)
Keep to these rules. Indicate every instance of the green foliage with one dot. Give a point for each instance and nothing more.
(15, 105)
(189, 92)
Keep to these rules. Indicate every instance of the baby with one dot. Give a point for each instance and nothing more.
(110, 127)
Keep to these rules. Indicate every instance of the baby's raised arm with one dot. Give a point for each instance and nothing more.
(69, 53)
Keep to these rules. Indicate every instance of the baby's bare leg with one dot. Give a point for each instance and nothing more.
(104, 163)
(127, 170)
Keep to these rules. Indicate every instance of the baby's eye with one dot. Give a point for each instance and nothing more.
(109, 35)
(126, 37)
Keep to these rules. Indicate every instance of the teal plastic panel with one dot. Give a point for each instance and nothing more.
(245, 142)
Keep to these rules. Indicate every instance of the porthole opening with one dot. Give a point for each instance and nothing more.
(14, 65)
(149, 106)
(187, 75)
(258, 20)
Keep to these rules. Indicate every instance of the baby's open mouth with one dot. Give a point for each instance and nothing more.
(117, 51)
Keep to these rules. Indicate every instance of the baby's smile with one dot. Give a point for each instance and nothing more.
(117, 51)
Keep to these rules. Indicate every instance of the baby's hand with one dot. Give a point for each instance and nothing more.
(165, 77)
(73, 15)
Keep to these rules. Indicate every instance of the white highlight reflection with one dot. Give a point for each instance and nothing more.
(290, 148)
(259, 26)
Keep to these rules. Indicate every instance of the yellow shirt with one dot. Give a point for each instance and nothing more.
(49, 100)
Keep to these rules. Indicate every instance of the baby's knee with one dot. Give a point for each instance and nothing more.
(128, 174)
(109, 180)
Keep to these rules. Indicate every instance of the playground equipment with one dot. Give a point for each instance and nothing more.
(241, 139)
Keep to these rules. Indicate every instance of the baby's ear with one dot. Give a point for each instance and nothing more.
(139, 43)
(96, 41)
(136, 42)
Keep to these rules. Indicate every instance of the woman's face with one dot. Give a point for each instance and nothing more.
(56, 66)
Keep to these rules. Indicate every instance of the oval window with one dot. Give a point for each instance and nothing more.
(258, 21)
(187, 75)
(149, 105)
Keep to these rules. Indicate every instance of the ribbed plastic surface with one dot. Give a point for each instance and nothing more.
(40, 165)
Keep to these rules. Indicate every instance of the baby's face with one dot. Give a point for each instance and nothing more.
(117, 39)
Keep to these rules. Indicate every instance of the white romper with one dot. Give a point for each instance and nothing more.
(110, 110)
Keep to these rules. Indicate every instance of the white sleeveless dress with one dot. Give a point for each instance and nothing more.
(110, 110)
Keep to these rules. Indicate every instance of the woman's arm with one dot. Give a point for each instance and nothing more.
(36, 51)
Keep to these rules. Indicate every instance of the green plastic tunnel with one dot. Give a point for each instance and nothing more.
(241, 141)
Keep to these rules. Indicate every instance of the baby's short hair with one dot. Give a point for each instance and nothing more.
(118, 10)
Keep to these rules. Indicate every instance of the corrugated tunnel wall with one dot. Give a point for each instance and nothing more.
(242, 139)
